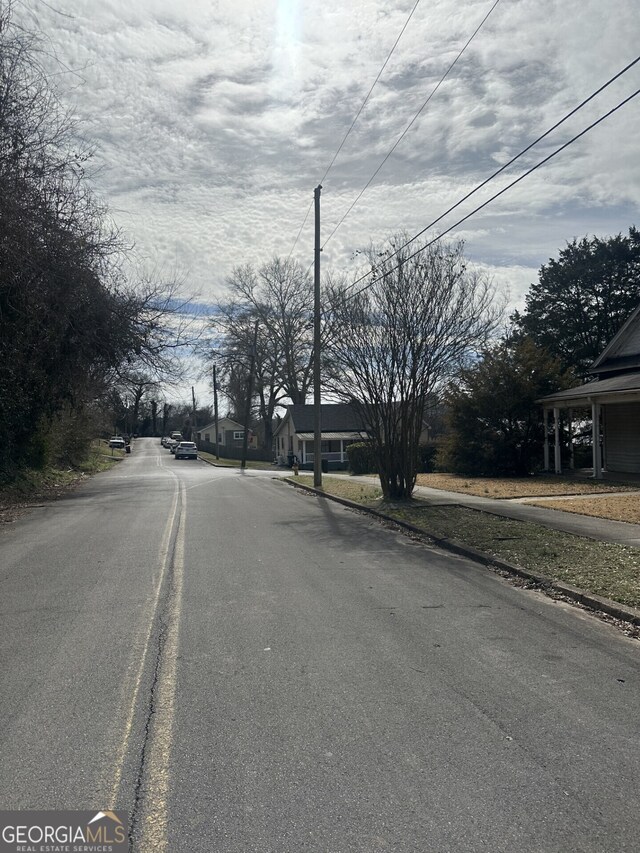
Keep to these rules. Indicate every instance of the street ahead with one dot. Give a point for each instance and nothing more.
(242, 667)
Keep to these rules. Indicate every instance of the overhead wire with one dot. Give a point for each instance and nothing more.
(509, 163)
(412, 122)
(357, 116)
(384, 65)
(498, 194)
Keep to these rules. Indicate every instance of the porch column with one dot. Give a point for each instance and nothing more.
(595, 438)
(556, 433)
(571, 454)
(546, 439)
(341, 451)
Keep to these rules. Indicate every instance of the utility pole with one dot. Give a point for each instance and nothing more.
(247, 414)
(215, 410)
(317, 425)
(195, 425)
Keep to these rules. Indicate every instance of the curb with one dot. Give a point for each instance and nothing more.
(209, 462)
(581, 596)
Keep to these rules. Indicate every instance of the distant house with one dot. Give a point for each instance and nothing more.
(614, 400)
(294, 435)
(230, 434)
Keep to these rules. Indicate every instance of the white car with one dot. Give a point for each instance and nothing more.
(117, 441)
(186, 450)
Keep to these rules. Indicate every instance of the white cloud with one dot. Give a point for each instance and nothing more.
(214, 121)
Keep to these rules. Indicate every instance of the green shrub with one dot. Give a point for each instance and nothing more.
(426, 458)
(361, 457)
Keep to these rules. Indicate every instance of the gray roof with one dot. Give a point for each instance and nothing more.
(212, 425)
(623, 347)
(334, 417)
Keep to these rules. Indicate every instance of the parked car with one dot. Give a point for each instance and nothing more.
(176, 435)
(186, 450)
(172, 445)
(117, 441)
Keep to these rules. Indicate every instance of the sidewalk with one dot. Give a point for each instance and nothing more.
(601, 529)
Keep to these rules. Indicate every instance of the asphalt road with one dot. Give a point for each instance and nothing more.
(242, 667)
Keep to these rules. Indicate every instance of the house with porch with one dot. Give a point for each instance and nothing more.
(613, 400)
(294, 435)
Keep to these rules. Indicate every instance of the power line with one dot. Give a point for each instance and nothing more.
(508, 163)
(304, 222)
(384, 65)
(501, 192)
(357, 116)
(411, 123)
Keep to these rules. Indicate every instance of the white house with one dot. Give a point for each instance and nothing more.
(294, 435)
(614, 400)
(230, 434)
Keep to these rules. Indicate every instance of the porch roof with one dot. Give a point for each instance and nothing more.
(616, 389)
(330, 436)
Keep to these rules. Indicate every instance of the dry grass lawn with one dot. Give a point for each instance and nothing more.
(542, 485)
(615, 507)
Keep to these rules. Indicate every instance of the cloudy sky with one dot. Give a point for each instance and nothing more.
(215, 119)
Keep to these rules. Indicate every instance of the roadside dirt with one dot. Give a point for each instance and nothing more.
(14, 505)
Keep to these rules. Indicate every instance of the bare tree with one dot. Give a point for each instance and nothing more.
(279, 297)
(398, 337)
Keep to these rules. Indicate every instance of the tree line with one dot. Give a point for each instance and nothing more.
(72, 323)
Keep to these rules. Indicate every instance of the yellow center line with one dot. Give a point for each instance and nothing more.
(133, 689)
(154, 804)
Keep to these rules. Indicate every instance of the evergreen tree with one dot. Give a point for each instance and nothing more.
(495, 424)
(582, 299)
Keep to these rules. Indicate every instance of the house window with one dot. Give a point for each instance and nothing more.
(207, 436)
(238, 435)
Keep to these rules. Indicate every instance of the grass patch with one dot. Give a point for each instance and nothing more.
(344, 488)
(101, 457)
(609, 570)
(541, 485)
(235, 463)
